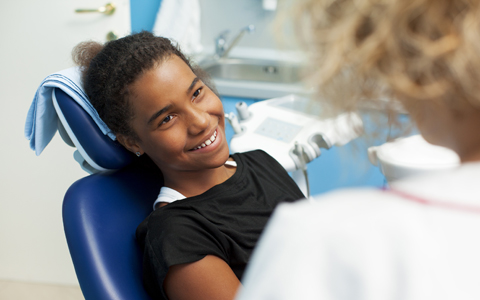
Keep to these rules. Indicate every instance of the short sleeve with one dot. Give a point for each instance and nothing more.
(177, 237)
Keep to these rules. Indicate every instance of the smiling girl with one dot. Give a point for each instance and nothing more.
(213, 207)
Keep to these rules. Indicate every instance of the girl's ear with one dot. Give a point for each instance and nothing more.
(130, 144)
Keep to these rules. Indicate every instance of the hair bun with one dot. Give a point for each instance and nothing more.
(84, 52)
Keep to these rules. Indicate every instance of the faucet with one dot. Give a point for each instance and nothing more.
(221, 47)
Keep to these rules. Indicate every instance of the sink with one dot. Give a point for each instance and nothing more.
(254, 70)
(255, 78)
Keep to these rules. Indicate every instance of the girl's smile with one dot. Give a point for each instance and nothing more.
(207, 143)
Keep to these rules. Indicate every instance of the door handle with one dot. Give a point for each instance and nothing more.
(108, 9)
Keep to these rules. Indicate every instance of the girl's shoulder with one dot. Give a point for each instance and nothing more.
(256, 158)
(252, 154)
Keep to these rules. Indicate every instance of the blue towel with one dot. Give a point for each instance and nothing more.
(41, 124)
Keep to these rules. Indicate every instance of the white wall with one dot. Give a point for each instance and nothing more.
(220, 15)
(32, 242)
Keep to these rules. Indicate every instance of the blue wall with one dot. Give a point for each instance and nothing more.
(143, 14)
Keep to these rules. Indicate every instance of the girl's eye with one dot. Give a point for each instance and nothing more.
(196, 93)
(167, 119)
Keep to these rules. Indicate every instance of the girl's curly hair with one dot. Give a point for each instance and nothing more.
(108, 71)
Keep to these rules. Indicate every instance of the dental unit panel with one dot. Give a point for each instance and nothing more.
(277, 124)
(290, 129)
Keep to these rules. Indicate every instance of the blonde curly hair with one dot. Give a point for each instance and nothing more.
(371, 50)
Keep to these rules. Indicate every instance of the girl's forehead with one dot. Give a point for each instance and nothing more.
(169, 71)
(167, 81)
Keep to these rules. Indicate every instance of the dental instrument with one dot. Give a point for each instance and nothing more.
(291, 130)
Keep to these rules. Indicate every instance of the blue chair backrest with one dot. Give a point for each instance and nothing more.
(100, 216)
(102, 211)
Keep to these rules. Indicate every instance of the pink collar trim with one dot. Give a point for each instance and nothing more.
(441, 204)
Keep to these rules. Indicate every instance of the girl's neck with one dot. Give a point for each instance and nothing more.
(192, 184)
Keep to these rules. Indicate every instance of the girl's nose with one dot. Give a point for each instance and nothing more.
(198, 121)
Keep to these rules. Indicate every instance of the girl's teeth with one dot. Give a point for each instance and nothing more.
(208, 142)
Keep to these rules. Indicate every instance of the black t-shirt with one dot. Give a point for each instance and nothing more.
(225, 221)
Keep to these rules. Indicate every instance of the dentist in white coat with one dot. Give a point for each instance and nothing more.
(421, 238)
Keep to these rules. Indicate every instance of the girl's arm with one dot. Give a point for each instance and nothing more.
(209, 278)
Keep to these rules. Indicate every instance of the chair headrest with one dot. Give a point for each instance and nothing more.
(98, 151)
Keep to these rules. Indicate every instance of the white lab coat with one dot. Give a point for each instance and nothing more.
(372, 244)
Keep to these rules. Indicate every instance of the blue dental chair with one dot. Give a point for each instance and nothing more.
(102, 211)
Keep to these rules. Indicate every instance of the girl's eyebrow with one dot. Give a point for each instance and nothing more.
(158, 114)
(163, 110)
(195, 80)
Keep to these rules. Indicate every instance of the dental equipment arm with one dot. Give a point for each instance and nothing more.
(300, 175)
(233, 120)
